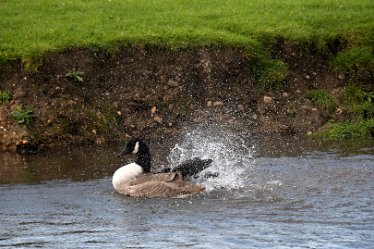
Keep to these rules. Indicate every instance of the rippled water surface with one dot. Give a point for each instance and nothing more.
(274, 193)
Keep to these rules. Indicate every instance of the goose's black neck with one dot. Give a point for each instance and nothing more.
(144, 157)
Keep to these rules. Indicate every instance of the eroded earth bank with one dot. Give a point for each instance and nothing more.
(80, 96)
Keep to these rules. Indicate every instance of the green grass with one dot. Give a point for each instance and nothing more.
(30, 28)
(359, 103)
(359, 116)
(76, 75)
(270, 73)
(22, 115)
(322, 100)
(363, 128)
(4, 97)
(354, 60)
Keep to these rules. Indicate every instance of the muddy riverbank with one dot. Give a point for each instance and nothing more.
(86, 96)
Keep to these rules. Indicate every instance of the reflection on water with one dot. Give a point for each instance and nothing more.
(293, 193)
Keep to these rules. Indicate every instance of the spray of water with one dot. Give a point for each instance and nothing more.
(232, 155)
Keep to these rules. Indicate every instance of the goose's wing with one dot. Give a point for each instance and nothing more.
(163, 185)
(160, 177)
(163, 189)
(192, 167)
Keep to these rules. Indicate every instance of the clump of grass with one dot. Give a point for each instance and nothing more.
(359, 102)
(291, 112)
(353, 94)
(4, 97)
(76, 75)
(270, 74)
(348, 130)
(358, 121)
(322, 100)
(23, 115)
(355, 60)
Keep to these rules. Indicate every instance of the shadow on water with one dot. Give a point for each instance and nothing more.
(269, 193)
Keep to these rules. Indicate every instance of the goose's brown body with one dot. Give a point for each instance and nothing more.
(162, 185)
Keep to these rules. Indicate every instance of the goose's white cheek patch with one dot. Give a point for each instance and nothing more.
(136, 148)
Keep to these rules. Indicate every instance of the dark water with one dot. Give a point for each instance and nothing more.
(273, 193)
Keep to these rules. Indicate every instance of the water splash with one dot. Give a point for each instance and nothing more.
(232, 155)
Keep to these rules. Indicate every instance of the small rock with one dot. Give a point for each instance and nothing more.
(170, 124)
(173, 83)
(268, 99)
(100, 140)
(307, 77)
(94, 131)
(341, 76)
(298, 91)
(197, 120)
(241, 107)
(158, 119)
(153, 110)
(209, 103)
(285, 94)
(339, 111)
(218, 104)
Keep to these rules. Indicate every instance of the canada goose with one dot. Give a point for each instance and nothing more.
(136, 180)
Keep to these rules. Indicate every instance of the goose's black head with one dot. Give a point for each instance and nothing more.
(139, 148)
(133, 147)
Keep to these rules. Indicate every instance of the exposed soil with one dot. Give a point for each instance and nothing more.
(147, 91)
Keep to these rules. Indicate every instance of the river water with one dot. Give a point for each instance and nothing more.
(269, 193)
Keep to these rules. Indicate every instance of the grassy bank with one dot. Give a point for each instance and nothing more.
(29, 28)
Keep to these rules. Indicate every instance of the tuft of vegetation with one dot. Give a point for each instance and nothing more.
(31, 65)
(355, 60)
(359, 118)
(322, 100)
(270, 73)
(291, 112)
(4, 97)
(105, 121)
(23, 115)
(347, 129)
(76, 75)
(359, 102)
